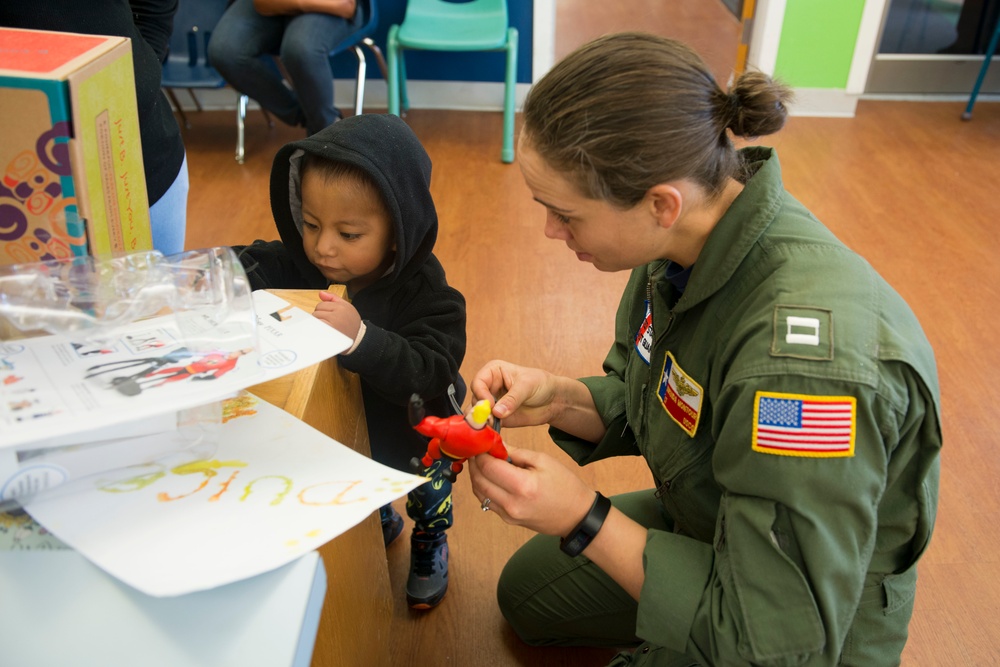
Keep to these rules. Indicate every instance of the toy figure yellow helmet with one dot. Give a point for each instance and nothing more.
(480, 413)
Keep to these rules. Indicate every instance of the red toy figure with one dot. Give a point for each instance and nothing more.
(457, 438)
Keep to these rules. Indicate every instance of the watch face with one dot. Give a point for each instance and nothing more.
(575, 544)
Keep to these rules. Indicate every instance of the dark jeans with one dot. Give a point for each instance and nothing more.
(244, 41)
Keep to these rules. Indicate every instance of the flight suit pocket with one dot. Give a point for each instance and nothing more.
(879, 630)
(768, 590)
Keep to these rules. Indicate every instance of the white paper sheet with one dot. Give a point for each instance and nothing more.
(274, 490)
(51, 386)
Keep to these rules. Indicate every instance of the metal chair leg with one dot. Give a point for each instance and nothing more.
(180, 109)
(370, 43)
(194, 98)
(241, 114)
(359, 89)
(267, 117)
(982, 73)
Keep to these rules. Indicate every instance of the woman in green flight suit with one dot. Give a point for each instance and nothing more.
(782, 393)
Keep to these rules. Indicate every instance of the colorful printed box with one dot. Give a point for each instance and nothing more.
(71, 174)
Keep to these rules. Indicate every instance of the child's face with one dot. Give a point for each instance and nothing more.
(346, 233)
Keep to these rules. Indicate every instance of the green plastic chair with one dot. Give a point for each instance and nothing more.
(439, 25)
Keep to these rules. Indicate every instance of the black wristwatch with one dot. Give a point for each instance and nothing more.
(585, 531)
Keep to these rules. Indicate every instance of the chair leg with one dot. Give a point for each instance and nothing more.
(404, 98)
(180, 109)
(241, 114)
(267, 117)
(194, 98)
(359, 89)
(370, 43)
(510, 83)
(392, 79)
(982, 73)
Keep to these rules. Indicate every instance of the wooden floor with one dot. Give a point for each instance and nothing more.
(908, 185)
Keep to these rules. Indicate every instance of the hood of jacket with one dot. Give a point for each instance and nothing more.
(383, 146)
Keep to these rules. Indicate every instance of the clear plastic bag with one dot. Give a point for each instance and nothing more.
(205, 291)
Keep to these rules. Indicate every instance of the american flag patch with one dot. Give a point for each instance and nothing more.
(801, 425)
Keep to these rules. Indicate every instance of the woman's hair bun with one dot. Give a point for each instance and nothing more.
(758, 103)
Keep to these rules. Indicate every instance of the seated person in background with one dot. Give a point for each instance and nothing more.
(353, 206)
(301, 33)
(148, 24)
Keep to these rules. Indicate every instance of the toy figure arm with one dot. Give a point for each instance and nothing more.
(433, 427)
(498, 450)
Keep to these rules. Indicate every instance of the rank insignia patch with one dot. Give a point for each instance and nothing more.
(680, 395)
(802, 332)
(802, 425)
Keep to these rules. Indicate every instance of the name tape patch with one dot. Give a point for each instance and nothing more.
(644, 337)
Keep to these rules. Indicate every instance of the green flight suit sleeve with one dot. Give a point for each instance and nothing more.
(796, 535)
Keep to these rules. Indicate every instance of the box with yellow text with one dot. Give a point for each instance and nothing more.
(71, 173)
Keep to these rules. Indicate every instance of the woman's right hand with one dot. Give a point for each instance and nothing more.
(524, 396)
(530, 396)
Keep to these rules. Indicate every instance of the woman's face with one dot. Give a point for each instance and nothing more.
(611, 239)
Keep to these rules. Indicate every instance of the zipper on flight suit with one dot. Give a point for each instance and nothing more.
(720, 543)
(658, 335)
(662, 488)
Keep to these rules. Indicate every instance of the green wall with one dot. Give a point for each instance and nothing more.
(817, 42)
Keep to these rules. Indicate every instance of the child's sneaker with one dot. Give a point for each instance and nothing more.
(428, 581)
(392, 523)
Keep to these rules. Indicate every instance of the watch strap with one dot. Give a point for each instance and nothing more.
(585, 531)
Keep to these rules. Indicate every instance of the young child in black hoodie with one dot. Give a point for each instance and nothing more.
(352, 205)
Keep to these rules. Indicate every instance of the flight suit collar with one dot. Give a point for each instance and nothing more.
(738, 229)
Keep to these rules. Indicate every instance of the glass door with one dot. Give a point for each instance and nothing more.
(934, 47)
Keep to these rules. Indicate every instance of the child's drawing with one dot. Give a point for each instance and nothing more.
(272, 490)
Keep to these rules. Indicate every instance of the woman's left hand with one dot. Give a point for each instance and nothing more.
(536, 492)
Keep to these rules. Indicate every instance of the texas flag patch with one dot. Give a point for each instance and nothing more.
(680, 395)
(803, 425)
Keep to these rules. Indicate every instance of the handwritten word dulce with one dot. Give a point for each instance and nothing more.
(204, 482)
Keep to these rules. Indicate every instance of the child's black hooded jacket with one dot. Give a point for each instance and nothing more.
(415, 338)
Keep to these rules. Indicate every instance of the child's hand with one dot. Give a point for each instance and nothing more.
(339, 314)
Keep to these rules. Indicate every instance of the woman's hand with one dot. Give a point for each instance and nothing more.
(530, 396)
(525, 394)
(537, 491)
(339, 314)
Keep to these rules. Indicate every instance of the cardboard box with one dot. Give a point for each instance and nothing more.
(71, 174)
